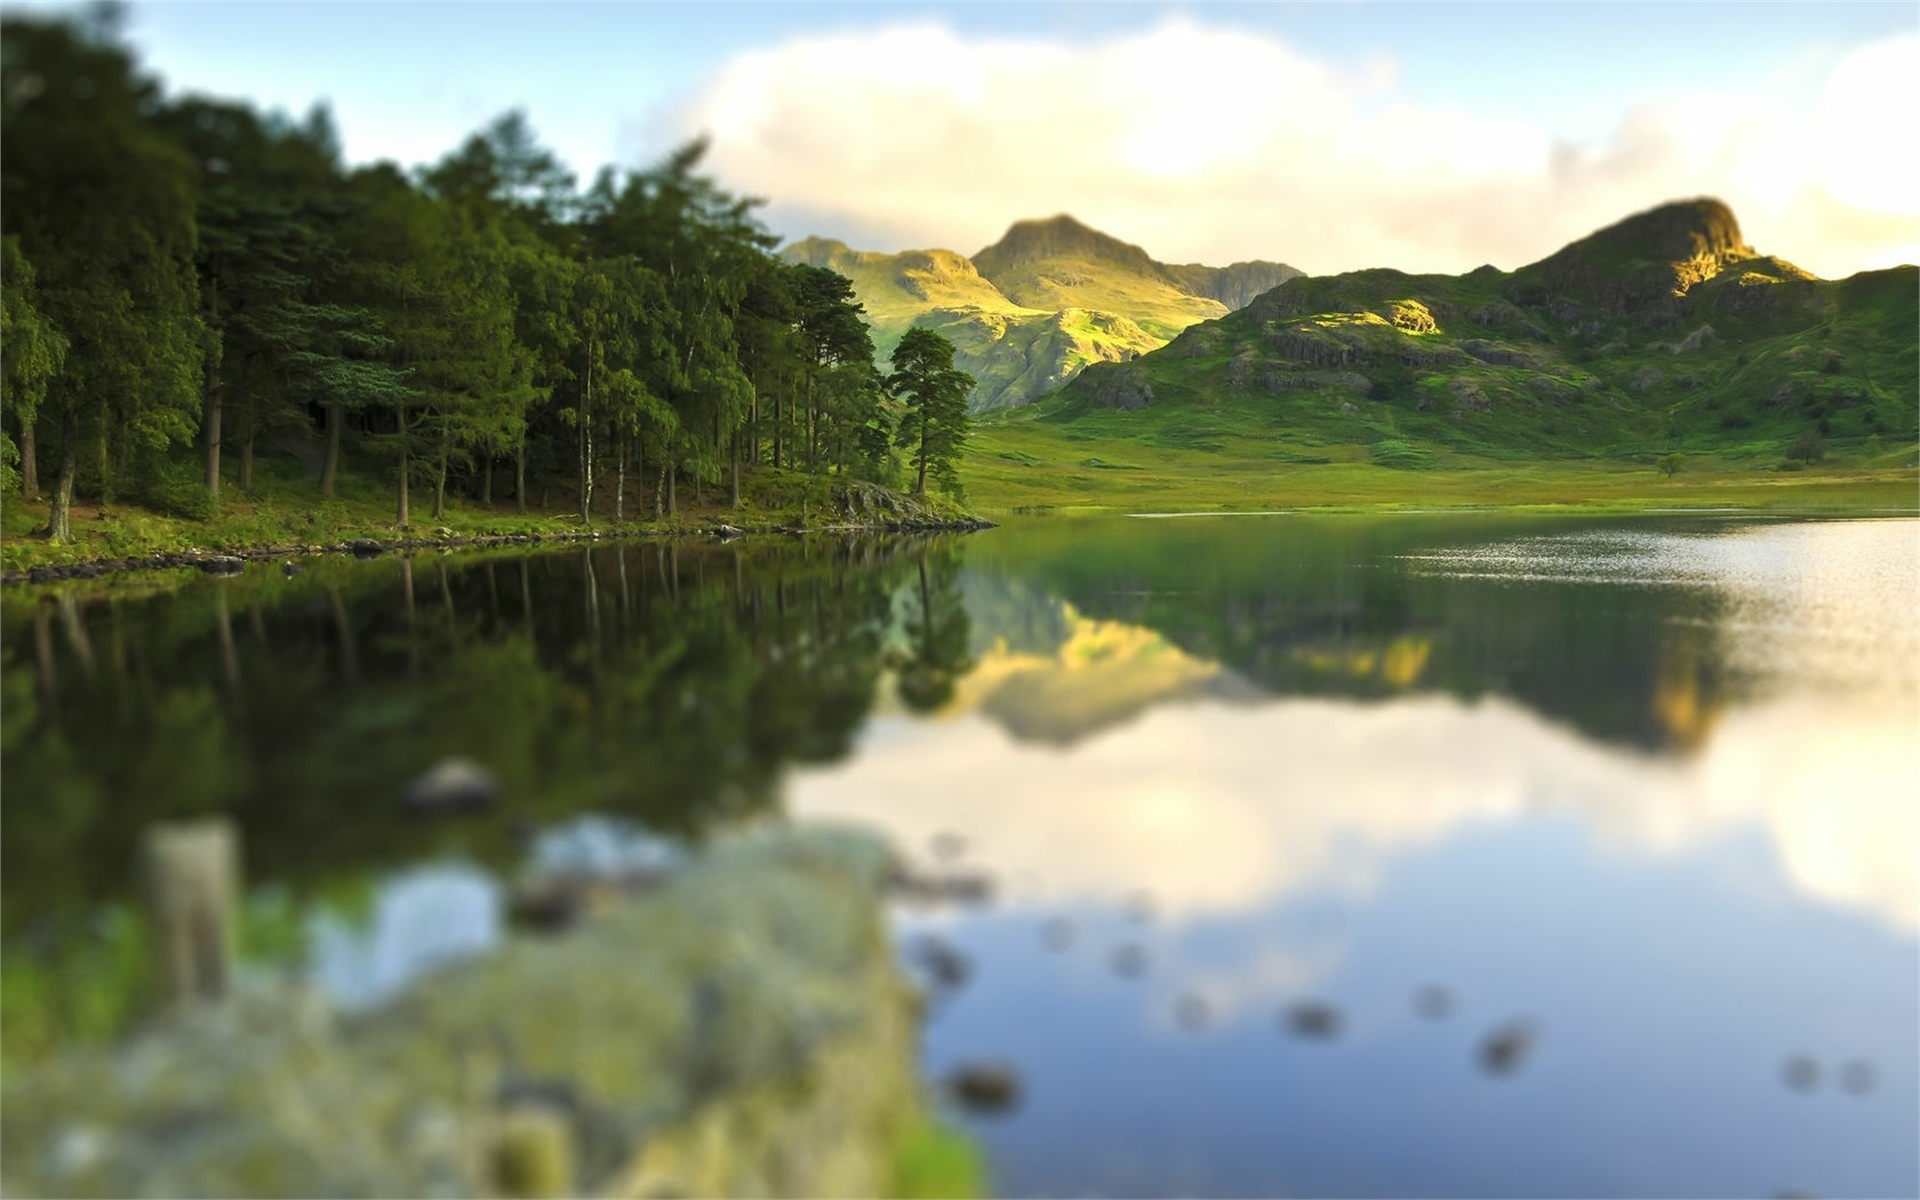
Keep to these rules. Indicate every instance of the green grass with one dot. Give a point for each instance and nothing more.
(285, 511)
(935, 1162)
(1021, 462)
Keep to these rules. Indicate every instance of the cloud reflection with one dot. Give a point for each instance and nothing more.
(1217, 808)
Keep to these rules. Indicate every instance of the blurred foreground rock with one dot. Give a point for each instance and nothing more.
(741, 1030)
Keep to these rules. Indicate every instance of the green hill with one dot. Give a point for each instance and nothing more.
(1060, 263)
(1663, 333)
(1031, 311)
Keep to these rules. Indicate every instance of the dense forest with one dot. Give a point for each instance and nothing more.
(189, 282)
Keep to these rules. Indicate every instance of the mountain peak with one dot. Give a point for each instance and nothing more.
(1680, 231)
(1059, 236)
(1643, 263)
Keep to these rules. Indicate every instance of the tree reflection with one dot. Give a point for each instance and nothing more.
(673, 695)
(937, 631)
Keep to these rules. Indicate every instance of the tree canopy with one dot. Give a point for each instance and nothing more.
(194, 279)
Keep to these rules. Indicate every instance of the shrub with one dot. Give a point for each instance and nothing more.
(177, 490)
(1807, 448)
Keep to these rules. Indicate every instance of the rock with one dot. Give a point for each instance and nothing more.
(452, 785)
(1192, 1012)
(1128, 960)
(1413, 317)
(223, 564)
(1508, 1047)
(945, 966)
(593, 1059)
(1857, 1078)
(289, 568)
(1314, 1020)
(1116, 388)
(942, 889)
(1800, 1073)
(533, 1153)
(985, 1089)
(364, 548)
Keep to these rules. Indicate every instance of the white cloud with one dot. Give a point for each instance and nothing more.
(1215, 144)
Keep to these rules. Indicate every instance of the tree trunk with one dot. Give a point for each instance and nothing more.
(401, 413)
(43, 653)
(486, 483)
(210, 427)
(413, 627)
(349, 656)
(246, 461)
(29, 464)
(58, 528)
(779, 414)
(733, 490)
(106, 468)
(520, 479)
(526, 597)
(920, 489)
(229, 653)
(586, 444)
(659, 487)
(440, 481)
(673, 478)
(620, 485)
(331, 466)
(76, 631)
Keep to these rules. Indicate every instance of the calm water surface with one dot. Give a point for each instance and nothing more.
(1368, 856)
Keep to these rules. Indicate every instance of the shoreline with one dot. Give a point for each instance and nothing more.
(226, 562)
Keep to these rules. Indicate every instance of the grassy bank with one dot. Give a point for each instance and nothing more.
(1018, 463)
(289, 513)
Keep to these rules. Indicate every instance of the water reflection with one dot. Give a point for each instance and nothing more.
(1355, 856)
(421, 919)
(1624, 908)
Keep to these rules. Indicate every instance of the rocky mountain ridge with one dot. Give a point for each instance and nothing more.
(1663, 330)
(1029, 312)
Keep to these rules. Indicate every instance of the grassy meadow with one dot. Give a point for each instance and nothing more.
(1113, 461)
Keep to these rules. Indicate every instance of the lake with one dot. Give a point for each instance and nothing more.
(1389, 855)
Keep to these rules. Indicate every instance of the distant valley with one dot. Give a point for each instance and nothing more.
(1031, 311)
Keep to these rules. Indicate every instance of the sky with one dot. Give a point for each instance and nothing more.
(1429, 137)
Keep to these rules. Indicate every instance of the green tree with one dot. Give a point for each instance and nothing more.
(103, 208)
(1670, 464)
(706, 247)
(842, 389)
(934, 425)
(34, 353)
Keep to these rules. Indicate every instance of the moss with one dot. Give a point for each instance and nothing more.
(742, 1030)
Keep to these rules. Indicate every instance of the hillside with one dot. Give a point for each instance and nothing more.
(1662, 333)
(1031, 311)
(1060, 263)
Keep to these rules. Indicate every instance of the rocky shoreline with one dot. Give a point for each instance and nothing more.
(738, 1028)
(215, 562)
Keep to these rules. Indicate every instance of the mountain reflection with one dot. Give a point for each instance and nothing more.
(1276, 689)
